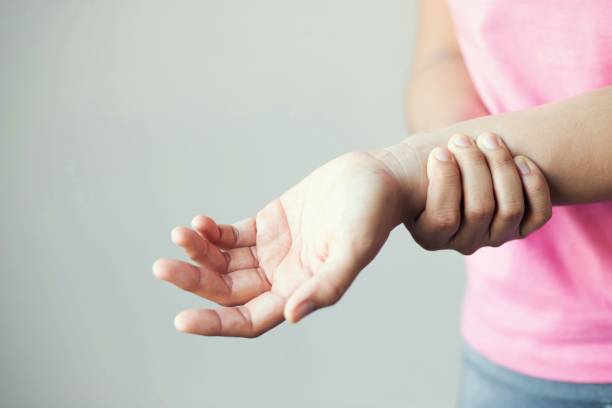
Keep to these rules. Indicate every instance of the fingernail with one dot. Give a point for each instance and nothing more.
(522, 164)
(462, 140)
(303, 310)
(157, 269)
(442, 154)
(179, 322)
(488, 141)
(175, 235)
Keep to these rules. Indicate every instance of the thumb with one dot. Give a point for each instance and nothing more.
(324, 288)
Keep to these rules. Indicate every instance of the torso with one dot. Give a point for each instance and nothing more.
(542, 305)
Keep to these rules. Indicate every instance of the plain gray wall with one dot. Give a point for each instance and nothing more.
(122, 119)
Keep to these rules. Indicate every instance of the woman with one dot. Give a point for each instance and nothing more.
(537, 317)
(534, 79)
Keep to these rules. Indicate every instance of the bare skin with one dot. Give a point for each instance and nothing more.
(303, 250)
(480, 197)
(298, 253)
(441, 92)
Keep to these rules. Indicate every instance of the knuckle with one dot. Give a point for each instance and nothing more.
(444, 220)
(480, 212)
(511, 212)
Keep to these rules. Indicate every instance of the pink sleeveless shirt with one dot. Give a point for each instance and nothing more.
(542, 306)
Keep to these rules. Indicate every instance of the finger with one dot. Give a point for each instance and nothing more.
(240, 234)
(254, 318)
(537, 196)
(199, 280)
(245, 284)
(324, 288)
(508, 189)
(229, 289)
(441, 217)
(199, 249)
(224, 236)
(241, 258)
(478, 199)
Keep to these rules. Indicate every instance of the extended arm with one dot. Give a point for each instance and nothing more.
(302, 250)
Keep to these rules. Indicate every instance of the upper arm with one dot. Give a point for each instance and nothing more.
(436, 37)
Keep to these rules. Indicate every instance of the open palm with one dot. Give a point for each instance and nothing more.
(299, 253)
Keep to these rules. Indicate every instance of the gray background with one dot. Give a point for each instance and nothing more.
(122, 119)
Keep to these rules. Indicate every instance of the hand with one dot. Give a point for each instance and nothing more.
(298, 254)
(479, 195)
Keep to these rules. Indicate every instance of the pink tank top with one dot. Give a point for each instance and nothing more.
(542, 306)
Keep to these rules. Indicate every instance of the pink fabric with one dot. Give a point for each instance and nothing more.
(543, 305)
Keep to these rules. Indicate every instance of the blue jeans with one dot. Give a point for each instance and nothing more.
(487, 385)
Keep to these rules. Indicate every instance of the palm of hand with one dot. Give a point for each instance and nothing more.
(300, 252)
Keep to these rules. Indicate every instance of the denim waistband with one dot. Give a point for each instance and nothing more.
(537, 386)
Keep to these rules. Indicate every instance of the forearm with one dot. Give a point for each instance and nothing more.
(441, 93)
(571, 141)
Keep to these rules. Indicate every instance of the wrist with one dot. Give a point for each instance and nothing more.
(406, 162)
